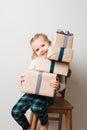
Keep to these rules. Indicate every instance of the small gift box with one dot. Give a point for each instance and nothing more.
(63, 39)
(60, 54)
(36, 82)
(52, 66)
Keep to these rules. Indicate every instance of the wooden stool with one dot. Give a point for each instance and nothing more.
(60, 106)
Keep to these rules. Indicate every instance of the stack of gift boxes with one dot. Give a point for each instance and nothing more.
(57, 62)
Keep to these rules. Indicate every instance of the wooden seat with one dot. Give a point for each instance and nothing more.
(59, 107)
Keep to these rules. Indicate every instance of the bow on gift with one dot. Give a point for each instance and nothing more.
(65, 33)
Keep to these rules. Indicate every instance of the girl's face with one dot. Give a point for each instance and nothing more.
(40, 47)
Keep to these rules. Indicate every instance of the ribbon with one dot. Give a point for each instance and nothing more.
(65, 33)
(38, 83)
(65, 41)
(61, 54)
(52, 66)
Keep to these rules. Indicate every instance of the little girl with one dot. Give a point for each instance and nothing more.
(40, 44)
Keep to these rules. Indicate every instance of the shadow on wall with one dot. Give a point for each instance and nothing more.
(76, 93)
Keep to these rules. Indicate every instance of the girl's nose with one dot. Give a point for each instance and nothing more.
(41, 50)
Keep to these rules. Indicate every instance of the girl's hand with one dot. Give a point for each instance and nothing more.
(22, 79)
(54, 84)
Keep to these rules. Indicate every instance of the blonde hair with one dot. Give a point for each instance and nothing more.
(36, 36)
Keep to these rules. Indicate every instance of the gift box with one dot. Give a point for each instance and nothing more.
(60, 54)
(63, 40)
(51, 66)
(36, 82)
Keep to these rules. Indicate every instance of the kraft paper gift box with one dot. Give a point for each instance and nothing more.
(62, 40)
(60, 54)
(38, 83)
(50, 66)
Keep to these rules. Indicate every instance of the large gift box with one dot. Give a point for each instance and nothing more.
(60, 54)
(62, 40)
(52, 66)
(38, 83)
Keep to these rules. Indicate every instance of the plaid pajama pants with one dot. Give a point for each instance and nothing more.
(36, 103)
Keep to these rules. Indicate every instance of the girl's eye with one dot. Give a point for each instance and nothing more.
(37, 50)
(43, 45)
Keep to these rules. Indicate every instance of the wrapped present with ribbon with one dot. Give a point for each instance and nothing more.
(63, 39)
(38, 83)
(60, 54)
(51, 66)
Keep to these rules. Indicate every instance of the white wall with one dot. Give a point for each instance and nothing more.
(19, 21)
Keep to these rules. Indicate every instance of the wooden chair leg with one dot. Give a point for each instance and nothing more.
(34, 122)
(68, 117)
(31, 117)
(60, 122)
